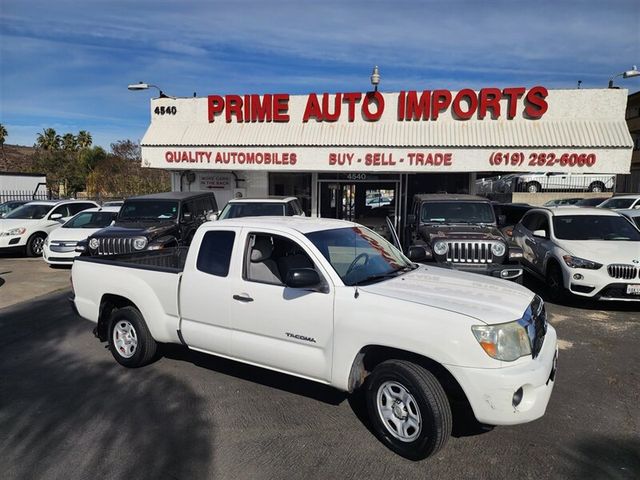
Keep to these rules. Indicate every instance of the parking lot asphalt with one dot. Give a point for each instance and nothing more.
(23, 278)
(67, 410)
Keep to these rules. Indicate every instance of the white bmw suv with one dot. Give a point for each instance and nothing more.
(27, 227)
(590, 252)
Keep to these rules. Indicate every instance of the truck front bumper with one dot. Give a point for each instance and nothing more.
(493, 393)
(506, 271)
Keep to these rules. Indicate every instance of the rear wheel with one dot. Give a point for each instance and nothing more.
(555, 283)
(130, 341)
(35, 244)
(533, 187)
(408, 408)
(597, 187)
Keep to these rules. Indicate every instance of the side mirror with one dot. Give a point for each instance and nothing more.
(418, 253)
(187, 217)
(302, 278)
(502, 219)
(55, 216)
(411, 219)
(540, 233)
(212, 216)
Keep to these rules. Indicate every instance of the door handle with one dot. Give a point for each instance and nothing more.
(243, 298)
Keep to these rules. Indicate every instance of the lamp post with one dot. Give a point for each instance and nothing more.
(146, 86)
(375, 78)
(634, 72)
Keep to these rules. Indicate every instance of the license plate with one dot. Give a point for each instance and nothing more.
(633, 289)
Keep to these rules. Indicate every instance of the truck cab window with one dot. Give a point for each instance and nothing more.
(270, 257)
(215, 252)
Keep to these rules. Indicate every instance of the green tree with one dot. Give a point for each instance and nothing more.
(69, 142)
(3, 135)
(84, 139)
(48, 140)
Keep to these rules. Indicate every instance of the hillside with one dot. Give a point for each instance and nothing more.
(16, 158)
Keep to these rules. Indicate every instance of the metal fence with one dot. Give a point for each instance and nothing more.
(24, 195)
(546, 182)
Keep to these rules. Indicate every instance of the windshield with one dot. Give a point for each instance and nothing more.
(457, 212)
(149, 210)
(360, 256)
(594, 227)
(31, 212)
(236, 210)
(91, 220)
(618, 203)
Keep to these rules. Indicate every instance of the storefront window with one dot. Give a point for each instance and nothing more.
(294, 185)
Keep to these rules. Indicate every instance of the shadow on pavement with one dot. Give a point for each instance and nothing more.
(66, 415)
(605, 457)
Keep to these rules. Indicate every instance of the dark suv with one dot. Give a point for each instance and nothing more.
(461, 232)
(152, 222)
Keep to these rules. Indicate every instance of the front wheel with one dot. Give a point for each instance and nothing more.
(35, 244)
(555, 284)
(408, 409)
(130, 341)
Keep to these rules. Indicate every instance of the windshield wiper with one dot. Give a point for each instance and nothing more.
(382, 276)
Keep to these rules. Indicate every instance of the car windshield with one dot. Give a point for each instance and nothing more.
(253, 209)
(618, 203)
(30, 212)
(589, 202)
(457, 212)
(91, 220)
(149, 210)
(594, 227)
(360, 256)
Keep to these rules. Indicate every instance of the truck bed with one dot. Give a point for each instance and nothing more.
(169, 260)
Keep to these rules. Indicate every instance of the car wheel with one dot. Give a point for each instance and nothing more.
(408, 408)
(35, 244)
(533, 187)
(555, 283)
(596, 187)
(130, 341)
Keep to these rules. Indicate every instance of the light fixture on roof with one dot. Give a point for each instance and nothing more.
(146, 86)
(634, 72)
(375, 78)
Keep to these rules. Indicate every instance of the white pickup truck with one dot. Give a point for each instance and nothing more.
(333, 302)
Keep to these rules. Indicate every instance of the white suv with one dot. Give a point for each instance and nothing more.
(28, 226)
(622, 202)
(262, 207)
(590, 252)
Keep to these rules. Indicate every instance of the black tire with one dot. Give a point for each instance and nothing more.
(555, 284)
(533, 187)
(430, 400)
(35, 244)
(144, 351)
(597, 187)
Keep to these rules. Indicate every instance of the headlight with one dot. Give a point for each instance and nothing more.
(94, 243)
(14, 232)
(139, 243)
(577, 262)
(440, 248)
(507, 341)
(498, 249)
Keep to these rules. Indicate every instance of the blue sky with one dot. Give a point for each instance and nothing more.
(66, 65)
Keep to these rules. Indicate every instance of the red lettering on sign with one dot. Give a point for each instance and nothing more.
(281, 107)
(337, 106)
(373, 97)
(417, 109)
(351, 99)
(312, 110)
(233, 107)
(441, 101)
(472, 101)
(535, 103)
(261, 110)
(514, 94)
(489, 100)
(215, 104)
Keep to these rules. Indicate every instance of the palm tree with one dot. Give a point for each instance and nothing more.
(70, 142)
(3, 135)
(48, 139)
(84, 139)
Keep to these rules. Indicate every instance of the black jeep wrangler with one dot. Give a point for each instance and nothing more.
(461, 232)
(153, 222)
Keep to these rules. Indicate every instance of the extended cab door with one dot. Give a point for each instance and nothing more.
(275, 326)
(205, 290)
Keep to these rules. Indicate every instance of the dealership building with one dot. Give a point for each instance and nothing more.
(343, 154)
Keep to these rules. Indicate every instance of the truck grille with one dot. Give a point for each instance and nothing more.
(115, 246)
(620, 270)
(469, 252)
